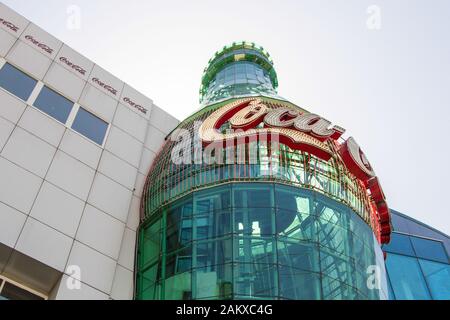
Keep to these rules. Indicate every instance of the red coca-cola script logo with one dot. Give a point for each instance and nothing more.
(135, 105)
(73, 66)
(9, 25)
(105, 86)
(40, 45)
(302, 131)
(298, 130)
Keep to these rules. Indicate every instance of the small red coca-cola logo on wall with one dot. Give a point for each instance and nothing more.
(72, 65)
(9, 25)
(40, 45)
(105, 86)
(135, 105)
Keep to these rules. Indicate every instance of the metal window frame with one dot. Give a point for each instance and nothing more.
(21, 286)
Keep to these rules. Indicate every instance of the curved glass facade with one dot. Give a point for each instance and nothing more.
(275, 223)
(168, 181)
(256, 241)
(239, 79)
(241, 69)
(418, 261)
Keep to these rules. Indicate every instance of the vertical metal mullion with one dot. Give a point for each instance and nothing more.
(194, 249)
(317, 240)
(2, 284)
(139, 263)
(275, 239)
(164, 253)
(233, 236)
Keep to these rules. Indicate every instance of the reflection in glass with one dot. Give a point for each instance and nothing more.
(257, 241)
(53, 104)
(429, 249)
(90, 126)
(406, 278)
(400, 243)
(437, 276)
(16, 82)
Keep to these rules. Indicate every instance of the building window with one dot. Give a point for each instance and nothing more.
(407, 279)
(437, 275)
(54, 104)
(400, 243)
(16, 82)
(429, 249)
(12, 291)
(90, 126)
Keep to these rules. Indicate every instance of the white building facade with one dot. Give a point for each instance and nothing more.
(76, 144)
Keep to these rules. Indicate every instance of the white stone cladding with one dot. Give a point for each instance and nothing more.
(65, 200)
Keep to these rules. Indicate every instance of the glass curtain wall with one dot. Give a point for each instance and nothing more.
(418, 268)
(256, 241)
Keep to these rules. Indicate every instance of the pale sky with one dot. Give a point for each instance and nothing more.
(389, 87)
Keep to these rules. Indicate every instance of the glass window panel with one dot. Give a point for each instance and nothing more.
(90, 126)
(333, 289)
(178, 262)
(391, 295)
(416, 228)
(338, 266)
(295, 225)
(255, 222)
(152, 292)
(215, 224)
(178, 234)
(253, 196)
(255, 280)
(12, 292)
(213, 252)
(16, 82)
(179, 209)
(178, 287)
(334, 237)
(54, 104)
(406, 278)
(298, 255)
(437, 276)
(292, 199)
(360, 229)
(212, 200)
(214, 282)
(399, 244)
(429, 249)
(152, 243)
(399, 223)
(255, 250)
(150, 276)
(297, 284)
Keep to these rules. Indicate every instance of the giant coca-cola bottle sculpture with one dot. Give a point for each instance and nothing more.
(254, 197)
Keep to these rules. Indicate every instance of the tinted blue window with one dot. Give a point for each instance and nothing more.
(54, 104)
(90, 126)
(437, 276)
(399, 223)
(399, 244)
(406, 277)
(16, 82)
(429, 249)
(391, 295)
